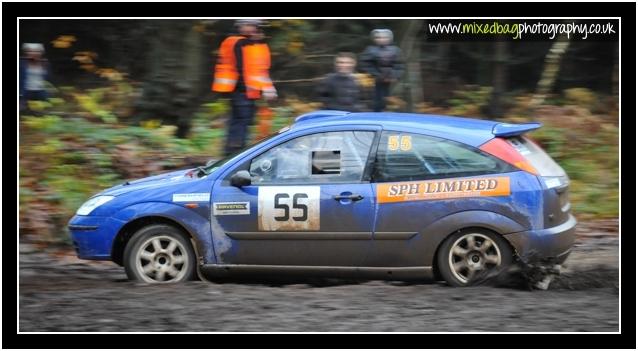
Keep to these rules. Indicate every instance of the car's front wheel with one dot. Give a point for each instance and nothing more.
(159, 254)
(472, 255)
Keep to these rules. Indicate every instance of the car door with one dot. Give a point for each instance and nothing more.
(309, 203)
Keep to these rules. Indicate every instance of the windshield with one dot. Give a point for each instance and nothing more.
(215, 166)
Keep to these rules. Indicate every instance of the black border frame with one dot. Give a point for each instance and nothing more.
(627, 12)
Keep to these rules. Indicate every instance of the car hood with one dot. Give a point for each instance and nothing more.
(160, 180)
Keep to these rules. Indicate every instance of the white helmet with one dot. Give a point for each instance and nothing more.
(249, 22)
(33, 47)
(382, 32)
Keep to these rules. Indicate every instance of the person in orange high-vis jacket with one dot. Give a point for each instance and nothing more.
(242, 71)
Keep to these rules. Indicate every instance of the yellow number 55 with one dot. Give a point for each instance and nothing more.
(393, 142)
(406, 143)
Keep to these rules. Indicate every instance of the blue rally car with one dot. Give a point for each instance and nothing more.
(368, 195)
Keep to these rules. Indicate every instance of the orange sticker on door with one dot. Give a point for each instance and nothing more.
(443, 189)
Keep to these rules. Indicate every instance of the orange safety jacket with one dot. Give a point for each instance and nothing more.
(255, 62)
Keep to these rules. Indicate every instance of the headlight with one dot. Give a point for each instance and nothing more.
(92, 204)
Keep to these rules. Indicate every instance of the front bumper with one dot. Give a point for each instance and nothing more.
(93, 236)
(551, 245)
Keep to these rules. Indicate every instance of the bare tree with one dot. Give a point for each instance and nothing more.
(411, 45)
(550, 69)
(499, 78)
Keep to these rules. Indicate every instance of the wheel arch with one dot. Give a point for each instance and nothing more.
(126, 232)
(440, 230)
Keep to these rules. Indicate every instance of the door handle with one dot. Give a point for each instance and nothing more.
(353, 197)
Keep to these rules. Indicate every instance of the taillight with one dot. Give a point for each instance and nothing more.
(505, 151)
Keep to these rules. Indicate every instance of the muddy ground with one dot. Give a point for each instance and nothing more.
(61, 293)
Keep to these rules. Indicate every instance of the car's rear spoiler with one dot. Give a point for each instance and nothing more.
(507, 129)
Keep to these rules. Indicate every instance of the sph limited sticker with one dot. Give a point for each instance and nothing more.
(443, 189)
(289, 208)
(192, 197)
(231, 208)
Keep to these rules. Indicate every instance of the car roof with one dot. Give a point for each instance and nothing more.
(469, 131)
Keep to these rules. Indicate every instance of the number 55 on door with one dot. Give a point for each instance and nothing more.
(289, 208)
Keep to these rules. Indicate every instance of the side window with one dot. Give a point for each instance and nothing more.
(321, 157)
(406, 156)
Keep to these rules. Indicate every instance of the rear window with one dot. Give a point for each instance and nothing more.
(538, 158)
(406, 156)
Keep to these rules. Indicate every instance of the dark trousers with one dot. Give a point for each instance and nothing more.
(243, 114)
(30, 95)
(381, 91)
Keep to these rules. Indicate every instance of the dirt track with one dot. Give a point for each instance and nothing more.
(61, 293)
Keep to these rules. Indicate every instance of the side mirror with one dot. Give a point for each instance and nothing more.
(241, 178)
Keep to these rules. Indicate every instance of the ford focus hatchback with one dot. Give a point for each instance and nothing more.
(364, 195)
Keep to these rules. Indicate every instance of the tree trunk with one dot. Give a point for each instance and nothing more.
(437, 78)
(499, 79)
(170, 90)
(550, 69)
(411, 46)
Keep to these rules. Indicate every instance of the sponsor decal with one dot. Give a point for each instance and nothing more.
(289, 208)
(192, 197)
(443, 189)
(231, 208)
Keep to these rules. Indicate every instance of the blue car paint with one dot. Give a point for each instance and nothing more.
(422, 217)
(519, 206)
(229, 249)
(94, 244)
(534, 245)
(195, 221)
(336, 216)
(152, 196)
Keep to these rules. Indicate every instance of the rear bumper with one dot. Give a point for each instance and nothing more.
(551, 245)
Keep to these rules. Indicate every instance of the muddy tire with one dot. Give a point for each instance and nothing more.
(470, 256)
(160, 254)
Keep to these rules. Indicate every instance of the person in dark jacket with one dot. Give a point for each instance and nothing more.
(384, 62)
(34, 71)
(340, 90)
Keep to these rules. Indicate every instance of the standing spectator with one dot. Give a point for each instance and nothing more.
(340, 90)
(385, 63)
(34, 70)
(242, 71)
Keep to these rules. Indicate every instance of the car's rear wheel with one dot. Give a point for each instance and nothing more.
(159, 254)
(470, 256)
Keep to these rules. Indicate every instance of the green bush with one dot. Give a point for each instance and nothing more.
(591, 162)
